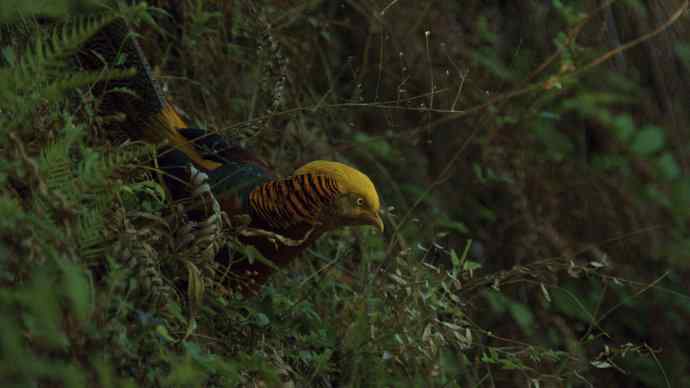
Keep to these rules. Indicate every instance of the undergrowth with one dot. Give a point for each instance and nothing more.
(518, 252)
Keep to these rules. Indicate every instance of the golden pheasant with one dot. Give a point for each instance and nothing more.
(287, 215)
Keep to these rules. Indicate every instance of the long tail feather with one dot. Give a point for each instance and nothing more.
(149, 116)
(167, 122)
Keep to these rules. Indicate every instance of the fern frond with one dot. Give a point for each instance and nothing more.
(91, 234)
(51, 51)
(55, 164)
(81, 175)
(69, 82)
(43, 73)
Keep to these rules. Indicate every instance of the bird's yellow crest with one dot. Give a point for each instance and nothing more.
(349, 179)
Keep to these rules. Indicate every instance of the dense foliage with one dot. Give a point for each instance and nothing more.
(532, 158)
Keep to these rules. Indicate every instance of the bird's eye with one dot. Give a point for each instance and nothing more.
(360, 202)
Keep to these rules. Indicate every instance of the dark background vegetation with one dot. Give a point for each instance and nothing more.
(532, 158)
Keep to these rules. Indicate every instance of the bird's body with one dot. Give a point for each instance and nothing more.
(285, 215)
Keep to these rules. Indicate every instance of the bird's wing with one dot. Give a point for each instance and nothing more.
(239, 172)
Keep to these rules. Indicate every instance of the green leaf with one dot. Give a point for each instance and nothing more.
(376, 145)
(454, 259)
(9, 55)
(623, 127)
(195, 285)
(471, 266)
(496, 300)
(680, 197)
(455, 226)
(522, 314)
(658, 196)
(683, 51)
(648, 140)
(262, 320)
(78, 290)
(163, 332)
(668, 167)
(558, 144)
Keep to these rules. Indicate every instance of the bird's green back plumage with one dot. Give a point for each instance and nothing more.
(238, 175)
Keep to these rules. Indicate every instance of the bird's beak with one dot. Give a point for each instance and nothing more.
(375, 220)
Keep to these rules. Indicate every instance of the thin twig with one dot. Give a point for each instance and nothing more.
(658, 364)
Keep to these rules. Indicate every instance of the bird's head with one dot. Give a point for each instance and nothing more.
(358, 202)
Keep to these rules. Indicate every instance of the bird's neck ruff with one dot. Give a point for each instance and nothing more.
(298, 199)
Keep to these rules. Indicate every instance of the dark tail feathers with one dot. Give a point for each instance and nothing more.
(148, 115)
